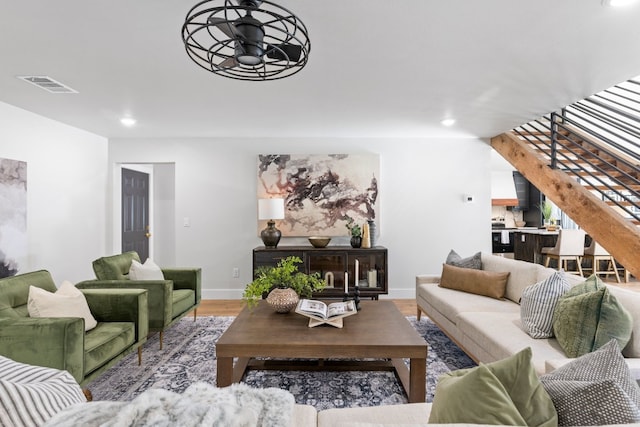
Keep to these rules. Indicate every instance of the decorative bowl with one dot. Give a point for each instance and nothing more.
(520, 224)
(319, 241)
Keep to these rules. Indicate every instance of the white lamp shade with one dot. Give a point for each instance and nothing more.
(270, 208)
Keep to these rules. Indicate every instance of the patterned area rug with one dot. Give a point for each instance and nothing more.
(188, 356)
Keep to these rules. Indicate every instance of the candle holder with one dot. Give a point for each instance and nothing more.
(356, 297)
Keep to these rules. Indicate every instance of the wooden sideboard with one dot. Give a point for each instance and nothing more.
(331, 263)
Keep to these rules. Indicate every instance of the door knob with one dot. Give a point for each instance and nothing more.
(147, 234)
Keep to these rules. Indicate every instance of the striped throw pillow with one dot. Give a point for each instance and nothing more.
(538, 304)
(30, 395)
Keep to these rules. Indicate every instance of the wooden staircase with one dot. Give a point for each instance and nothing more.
(598, 167)
(574, 172)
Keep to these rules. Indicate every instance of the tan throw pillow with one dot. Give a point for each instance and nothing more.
(487, 283)
(68, 301)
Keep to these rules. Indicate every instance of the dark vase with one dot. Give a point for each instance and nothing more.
(356, 241)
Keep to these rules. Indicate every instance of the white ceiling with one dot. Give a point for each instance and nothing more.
(377, 68)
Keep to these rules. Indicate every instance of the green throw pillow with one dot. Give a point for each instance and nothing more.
(457, 400)
(588, 316)
(505, 392)
(615, 322)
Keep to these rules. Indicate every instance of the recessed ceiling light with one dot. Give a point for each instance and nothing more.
(448, 122)
(617, 3)
(128, 121)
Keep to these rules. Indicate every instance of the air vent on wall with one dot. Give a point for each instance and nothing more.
(48, 84)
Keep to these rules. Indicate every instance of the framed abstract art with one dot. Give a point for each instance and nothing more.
(13, 216)
(322, 192)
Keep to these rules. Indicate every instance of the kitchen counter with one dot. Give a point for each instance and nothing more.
(529, 241)
(535, 230)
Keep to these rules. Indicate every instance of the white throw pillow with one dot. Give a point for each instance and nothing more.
(147, 271)
(538, 303)
(68, 301)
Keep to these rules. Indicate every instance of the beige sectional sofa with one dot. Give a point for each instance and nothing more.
(486, 328)
(413, 414)
(489, 329)
(407, 415)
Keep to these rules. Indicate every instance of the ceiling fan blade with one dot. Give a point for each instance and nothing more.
(228, 63)
(225, 26)
(284, 52)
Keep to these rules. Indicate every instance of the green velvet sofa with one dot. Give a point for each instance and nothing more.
(62, 342)
(169, 299)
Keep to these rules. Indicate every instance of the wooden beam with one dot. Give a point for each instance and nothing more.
(614, 232)
(504, 202)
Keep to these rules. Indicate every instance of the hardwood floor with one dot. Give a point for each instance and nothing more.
(407, 307)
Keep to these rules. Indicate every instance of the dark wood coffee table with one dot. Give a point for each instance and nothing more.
(378, 331)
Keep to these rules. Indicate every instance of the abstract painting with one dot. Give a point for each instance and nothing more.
(13, 216)
(322, 192)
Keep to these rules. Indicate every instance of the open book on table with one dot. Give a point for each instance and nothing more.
(320, 313)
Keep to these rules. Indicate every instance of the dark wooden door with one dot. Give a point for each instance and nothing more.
(135, 212)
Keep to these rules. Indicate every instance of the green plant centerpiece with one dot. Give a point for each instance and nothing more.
(275, 281)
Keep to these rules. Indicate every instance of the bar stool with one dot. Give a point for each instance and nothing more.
(569, 247)
(596, 253)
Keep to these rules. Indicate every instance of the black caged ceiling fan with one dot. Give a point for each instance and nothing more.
(246, 39)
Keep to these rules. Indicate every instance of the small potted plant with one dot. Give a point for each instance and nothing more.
(546, 208)
(283, 285)
(356, 233)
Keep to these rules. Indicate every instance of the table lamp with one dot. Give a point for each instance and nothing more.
(270, 209)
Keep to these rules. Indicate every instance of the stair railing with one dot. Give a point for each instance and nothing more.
(597, 140)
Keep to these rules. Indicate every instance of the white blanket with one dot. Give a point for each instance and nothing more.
(200, 405)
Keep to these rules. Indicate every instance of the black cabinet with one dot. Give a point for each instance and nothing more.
(332, 263)
(522, 191)
(500, 245)
(529, 199)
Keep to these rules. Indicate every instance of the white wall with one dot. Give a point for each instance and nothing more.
(164, 198)
(70, 198)
(422, 216)
(66, 191)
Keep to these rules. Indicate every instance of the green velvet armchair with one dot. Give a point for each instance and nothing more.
(169, 299)
(62, 342)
